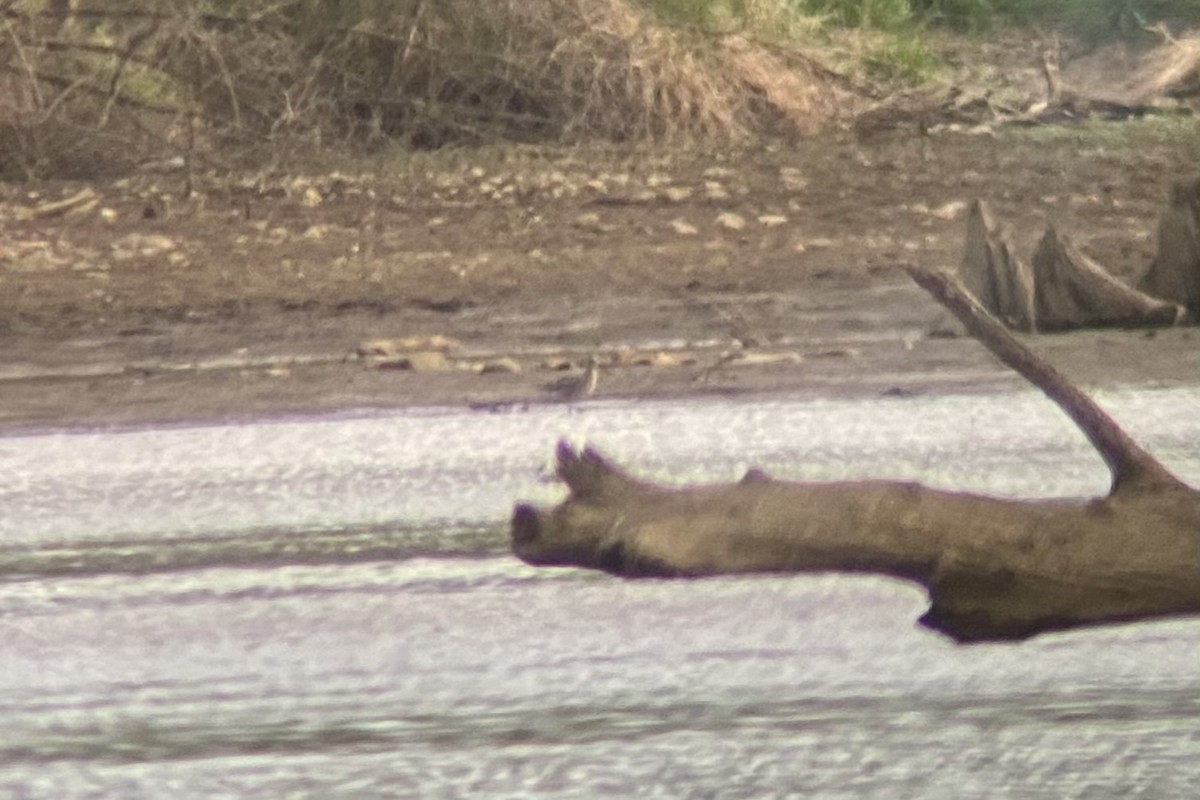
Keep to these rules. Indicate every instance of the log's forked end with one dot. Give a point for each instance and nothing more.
(564, 457)
(585, 472)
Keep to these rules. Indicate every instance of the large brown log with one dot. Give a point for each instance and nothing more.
(994, 568)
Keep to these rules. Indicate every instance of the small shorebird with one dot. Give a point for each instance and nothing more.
(573, 387)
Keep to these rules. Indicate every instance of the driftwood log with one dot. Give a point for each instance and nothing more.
(994, 568)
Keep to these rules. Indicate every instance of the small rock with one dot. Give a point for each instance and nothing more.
(715, 191)
(140, 244)
(591, 221)
(163, 165)
(731, 221)
(423, 361)
(792, 179)
(393, 348)
(311, 197)
(772, 220)
(629, 357)
(677, 194)
(506, 365)
(952, 210)
(557, 363)
(683, 228)
(836, 352)
(750, 359)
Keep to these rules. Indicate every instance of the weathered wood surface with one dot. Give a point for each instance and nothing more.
(993, 272)
(1175, 273)
(1062, 289)
(994, 569)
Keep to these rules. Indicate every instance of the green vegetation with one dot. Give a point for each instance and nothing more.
(1147, 135)
(906, 59)
(1087, 18)
(899, 51)
(883, 14)
(1090, 17)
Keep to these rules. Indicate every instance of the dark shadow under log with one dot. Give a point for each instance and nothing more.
(994, 569)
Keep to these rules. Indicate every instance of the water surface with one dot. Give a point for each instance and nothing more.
(326, 608)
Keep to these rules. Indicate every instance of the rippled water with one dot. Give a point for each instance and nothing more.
(326, 608)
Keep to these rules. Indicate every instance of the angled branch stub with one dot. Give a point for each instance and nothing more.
(1130, 465)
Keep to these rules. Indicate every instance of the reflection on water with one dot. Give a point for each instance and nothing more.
(327, 609)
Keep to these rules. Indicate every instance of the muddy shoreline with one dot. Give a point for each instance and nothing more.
(832, 341)
(751, 272)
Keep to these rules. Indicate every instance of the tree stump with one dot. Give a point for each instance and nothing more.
(1062, 289)
(1174, 274)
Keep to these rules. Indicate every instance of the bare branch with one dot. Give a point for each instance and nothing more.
(1130, 465)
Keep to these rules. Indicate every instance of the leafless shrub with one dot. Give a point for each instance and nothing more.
(118, 81)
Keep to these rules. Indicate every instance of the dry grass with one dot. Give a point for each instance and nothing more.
(120, 82)
(1171, 70)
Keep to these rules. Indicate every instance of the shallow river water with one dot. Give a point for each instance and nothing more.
(327, 608)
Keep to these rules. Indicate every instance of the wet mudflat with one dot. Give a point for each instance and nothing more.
(327, 608)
